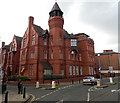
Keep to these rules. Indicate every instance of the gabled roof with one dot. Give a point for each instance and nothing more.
(38, 29)
(55, 7)
(18, 40)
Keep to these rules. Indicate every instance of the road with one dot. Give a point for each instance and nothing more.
(75, 92)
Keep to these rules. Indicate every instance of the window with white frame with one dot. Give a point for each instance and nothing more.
(51, 55)
(61, 54)
(24, 42)
(47, 72)
(33, 39)
(62, 72)
(73, 42)
(45, 41)
(77, 70)
(92, 71)
(70, 70)
(31, 69)
(89, 70)
(32, 54)
(45, 54)
(81, 72)
(74, 70)
(23, 54)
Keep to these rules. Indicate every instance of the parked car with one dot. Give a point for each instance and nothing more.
(90, 80)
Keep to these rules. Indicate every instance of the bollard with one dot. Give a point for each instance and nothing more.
(79, 81)
(37, 84)
(24, 92)
(98, 83)
(53, 84)
(111, 81)
(6, 97)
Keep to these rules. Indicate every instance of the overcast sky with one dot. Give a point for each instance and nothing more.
(96, 18)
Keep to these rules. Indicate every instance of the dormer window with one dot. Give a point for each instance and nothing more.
(73, 42)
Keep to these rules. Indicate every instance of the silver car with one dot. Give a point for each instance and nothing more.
(89, 80)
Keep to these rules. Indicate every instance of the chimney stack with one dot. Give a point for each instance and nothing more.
(3, 44)
(31, 20)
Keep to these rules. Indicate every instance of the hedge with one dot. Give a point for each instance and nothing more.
(53, 76)
(17, 78)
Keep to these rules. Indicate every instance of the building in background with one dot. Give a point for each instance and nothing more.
(108, 62)
(42, 52)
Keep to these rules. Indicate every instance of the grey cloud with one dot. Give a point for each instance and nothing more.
(102, 15)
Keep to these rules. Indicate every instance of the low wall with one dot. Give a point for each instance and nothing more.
(48, 81)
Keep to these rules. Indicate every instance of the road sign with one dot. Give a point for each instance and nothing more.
(99, 68)
(110, 68)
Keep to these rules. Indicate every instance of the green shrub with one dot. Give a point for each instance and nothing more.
(17, 78)
(53, 76)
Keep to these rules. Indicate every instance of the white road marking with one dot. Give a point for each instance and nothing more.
(114, 90)
(61, 101)
(54, 92)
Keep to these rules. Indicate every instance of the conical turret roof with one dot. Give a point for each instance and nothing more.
(55, 7)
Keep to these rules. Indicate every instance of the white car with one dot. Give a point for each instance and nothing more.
(89, 80)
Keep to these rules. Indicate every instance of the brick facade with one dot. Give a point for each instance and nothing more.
(107, 59)
(55, 51)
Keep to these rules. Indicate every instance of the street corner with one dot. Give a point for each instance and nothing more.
(30, 98)
(102, 86)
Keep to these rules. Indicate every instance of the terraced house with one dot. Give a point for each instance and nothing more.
(54, 51)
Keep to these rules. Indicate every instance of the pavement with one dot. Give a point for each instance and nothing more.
(13, 96)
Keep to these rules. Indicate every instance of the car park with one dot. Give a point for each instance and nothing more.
(90, 80)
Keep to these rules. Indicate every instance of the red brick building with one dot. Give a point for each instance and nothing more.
(107, 60)
(55, 51)
(10, 57)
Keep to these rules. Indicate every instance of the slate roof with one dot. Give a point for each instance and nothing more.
(82, 34)
(55, 7)
(69, 36)
(18, 40)
(38, 29)
(7, 47)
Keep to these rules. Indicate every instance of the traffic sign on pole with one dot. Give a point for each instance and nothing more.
(99, 68)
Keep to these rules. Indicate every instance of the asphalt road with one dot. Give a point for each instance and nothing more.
(74, 92)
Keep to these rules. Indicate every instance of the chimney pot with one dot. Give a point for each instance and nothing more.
(3, 44)
(31, 20)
